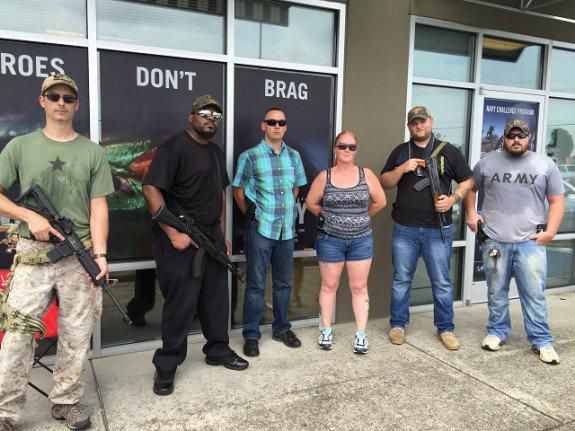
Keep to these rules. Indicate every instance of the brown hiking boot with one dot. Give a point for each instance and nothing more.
(76, 418)
(6, 425)
(449, 340)
(397, 335)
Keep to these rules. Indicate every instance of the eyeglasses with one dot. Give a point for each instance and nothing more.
(343, 147)
(522, 135)
(272, 123)
(206, 113)
(55, 97)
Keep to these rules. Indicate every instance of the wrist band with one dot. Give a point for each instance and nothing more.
(456, 197)
(99, 255)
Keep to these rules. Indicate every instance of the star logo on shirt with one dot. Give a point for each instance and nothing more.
(57, 164)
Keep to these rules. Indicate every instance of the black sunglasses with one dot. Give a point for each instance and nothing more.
(272, 123)
(343, 147)
(521, 135)
(55, 97)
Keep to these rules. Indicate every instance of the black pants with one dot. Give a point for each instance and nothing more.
(185, 296)
(144, 293)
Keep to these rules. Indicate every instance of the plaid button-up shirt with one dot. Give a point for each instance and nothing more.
(269, 180)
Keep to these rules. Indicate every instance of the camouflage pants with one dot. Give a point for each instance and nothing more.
(80, 306)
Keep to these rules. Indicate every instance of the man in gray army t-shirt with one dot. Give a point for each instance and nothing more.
(515, 184)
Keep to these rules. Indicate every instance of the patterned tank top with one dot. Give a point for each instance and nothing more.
(345, 210)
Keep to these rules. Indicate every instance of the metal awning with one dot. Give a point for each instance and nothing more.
(562, 10)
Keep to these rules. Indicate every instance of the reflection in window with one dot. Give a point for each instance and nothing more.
(193, 26)
(281, 31)
(304, 295)
(443, 54)
(560, 263)
(560, 148)
(509, 62)
(41, 16)
(450, 108)
(562, 70)
(421, 286)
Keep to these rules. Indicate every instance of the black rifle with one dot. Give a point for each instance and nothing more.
(182, 222)
(435, 186)
(71, 244)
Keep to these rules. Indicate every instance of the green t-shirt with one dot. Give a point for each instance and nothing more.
(69, 173)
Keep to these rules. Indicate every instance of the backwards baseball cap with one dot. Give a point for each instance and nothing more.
(418, 112)
(205, 100)
(517, 124)
(59, 78)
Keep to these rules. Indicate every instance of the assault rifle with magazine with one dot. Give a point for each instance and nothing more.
(71, 244)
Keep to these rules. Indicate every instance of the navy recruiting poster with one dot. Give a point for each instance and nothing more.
(308, 101)
(23, 68)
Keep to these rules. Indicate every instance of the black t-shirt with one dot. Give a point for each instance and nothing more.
(415, 208)
(185, 171)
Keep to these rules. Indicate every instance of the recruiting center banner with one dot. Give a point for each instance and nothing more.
(145, 99)
(308, 101)
(23, 68)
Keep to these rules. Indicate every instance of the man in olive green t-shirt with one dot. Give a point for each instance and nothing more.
(74, 174)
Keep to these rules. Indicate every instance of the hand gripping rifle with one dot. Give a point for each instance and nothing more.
(70, 245)
(432, 180)
(186, 224)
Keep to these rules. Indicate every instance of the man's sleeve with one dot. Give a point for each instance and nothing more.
(462, 171)
(478, 176)
(300, 178)
(390, 164)
(243, 172)
(554, 180)
(163, 169)
(101, 183)
(8, 166)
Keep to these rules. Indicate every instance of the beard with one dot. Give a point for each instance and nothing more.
(423, 138)
(206, 134)
(516, 153)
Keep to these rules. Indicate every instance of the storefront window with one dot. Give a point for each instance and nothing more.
(450, 108)
(191, 26)
(274, 30)
(443, 54)
(560, 263)
(54, 17)
(511, 63)
(563, 70)
(559, 147)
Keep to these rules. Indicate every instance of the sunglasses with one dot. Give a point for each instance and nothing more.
(206, 113)
(516, 135)
(55, 97)
(343, 147)
(272, 123)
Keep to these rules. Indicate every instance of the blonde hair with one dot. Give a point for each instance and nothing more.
(343, 133)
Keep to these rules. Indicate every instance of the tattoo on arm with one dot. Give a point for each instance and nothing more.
(462, 190)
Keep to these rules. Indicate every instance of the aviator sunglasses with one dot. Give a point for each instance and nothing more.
(55, 97)
(272, 123)
(206, 113)
(343, 147)
(516, 135)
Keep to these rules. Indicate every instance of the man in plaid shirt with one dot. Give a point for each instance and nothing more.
(266, 186)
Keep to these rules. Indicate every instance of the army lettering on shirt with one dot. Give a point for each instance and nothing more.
(508, 177)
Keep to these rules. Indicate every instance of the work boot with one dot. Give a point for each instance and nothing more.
(288, 338)
(449, 340)
(76, 418)
(6, 425)
(397, 335)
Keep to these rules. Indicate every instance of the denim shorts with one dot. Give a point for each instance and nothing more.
(333, 249)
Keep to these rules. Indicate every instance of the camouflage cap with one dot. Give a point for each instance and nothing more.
(205, 100)
(59, 78)
(418, 112)
(517, 124)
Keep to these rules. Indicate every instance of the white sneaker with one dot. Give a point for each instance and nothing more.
(324, 341)
(491, 343)
(360, 344)
(547, 354)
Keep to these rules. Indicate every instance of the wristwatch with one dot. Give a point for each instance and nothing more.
(99, 255)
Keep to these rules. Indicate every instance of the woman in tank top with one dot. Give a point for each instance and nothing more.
(344, 198)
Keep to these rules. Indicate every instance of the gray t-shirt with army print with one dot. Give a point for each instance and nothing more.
(515, 191)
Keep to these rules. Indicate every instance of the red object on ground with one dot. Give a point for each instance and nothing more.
(50, 319)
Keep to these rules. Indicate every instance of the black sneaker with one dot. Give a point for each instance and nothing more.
(251, 348)
(164, 382)
(232, 362)
(288, 338)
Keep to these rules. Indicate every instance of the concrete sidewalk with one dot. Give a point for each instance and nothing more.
(417, 386)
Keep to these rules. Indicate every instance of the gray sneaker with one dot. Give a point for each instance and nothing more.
(6, 425)
(76, 418)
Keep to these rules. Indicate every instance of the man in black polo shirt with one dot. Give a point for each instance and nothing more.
(416, 231)
(190, 169)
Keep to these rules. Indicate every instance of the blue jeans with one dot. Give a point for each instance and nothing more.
(527, 262)
(408, 243)
(260, 252)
